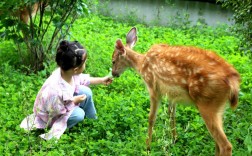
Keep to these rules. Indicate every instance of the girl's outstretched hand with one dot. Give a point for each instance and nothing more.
(79, 98)
(107, 80)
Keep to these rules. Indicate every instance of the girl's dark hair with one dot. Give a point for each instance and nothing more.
(70, 55)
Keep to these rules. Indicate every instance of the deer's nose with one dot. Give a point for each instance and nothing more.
(114, 74)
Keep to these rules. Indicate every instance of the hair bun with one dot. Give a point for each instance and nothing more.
(64, 45)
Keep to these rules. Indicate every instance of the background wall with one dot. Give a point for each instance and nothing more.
(165, 11)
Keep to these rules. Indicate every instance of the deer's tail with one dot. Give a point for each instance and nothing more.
(234, 83)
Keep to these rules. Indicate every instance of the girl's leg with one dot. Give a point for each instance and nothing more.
(87, 105)
(76, 116)
(86, 108)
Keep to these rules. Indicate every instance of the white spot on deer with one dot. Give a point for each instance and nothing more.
(148, 69)
(195, 83)
(196, 88)
(154, 66)
(183, 81)
(201, 79)
(176, 54)
(211, 76)
(189, 72)
(189, 57)
(162, 63)
(147, 78)
(164, 69)
(159, 70)
(197, 70)
(146, 75)
(152, 54)
(212, 63)
(165, 78)
(173, 72)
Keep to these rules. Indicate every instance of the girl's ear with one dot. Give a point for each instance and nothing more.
(120, 47)
(75, 70)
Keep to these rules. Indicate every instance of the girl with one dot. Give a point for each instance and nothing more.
(65, 97)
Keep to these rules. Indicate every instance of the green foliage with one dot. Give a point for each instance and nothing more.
(123, 106)
(36, 39)
(243, 17)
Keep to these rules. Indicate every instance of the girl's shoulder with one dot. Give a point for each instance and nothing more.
(49, 90)
(82, 79)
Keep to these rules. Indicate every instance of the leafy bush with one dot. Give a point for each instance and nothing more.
(123, 107)
(36, 39)
(243, 17)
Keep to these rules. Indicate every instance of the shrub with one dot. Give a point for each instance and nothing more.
(243, 17)
(36, 40)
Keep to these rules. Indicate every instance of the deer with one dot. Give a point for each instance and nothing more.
(183, 74)
(25, 13)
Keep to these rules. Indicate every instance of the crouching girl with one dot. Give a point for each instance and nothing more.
(65, 98)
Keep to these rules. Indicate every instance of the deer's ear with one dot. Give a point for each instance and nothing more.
(131, 37)
(120, 47)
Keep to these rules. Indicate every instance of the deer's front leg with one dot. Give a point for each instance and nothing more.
(154, 101)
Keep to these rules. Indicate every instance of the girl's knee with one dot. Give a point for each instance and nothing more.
(78, 115)
(85, 90)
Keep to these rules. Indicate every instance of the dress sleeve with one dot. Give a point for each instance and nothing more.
(48, 104)
(59, 115)
(55, 106)
(56, 112)
(84, 79)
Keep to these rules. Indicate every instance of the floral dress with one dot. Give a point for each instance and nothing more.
(53, 105)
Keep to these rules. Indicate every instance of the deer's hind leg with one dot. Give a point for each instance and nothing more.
(172, 116)
(212, 115)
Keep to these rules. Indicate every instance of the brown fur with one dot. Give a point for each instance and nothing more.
(24, 12)
(183, 74)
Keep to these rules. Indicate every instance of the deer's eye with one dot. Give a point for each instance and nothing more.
(113, 62)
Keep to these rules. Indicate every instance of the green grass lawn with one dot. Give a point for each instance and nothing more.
(123, 107)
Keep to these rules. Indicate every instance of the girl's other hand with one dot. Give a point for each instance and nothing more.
(79, 98)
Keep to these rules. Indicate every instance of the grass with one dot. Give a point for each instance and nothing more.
(121, 128)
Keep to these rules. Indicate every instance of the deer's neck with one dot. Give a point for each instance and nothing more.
(134, 59)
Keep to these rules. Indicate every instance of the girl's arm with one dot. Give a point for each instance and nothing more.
(101, 80)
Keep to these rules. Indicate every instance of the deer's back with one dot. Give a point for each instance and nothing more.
(188, 73)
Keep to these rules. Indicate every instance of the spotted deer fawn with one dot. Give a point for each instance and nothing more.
(27, 12)
(183, 74)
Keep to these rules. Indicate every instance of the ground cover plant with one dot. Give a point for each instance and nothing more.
(38, 29)
(124, 105)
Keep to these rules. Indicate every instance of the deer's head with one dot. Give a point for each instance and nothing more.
(119, 57)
